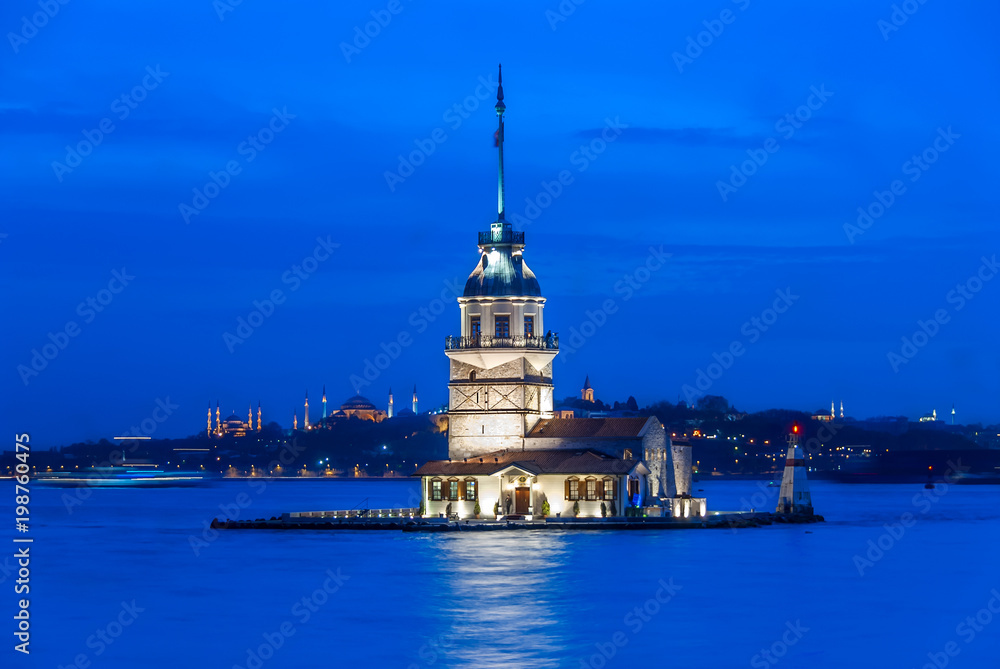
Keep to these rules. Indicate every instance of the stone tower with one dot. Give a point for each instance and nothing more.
(501, 363)
(587, 393)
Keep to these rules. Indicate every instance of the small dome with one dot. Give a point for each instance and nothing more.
(234, 417)
(500, 273)
(357, 403)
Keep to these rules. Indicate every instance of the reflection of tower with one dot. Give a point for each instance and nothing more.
(258, 415)
(952, 414)
(218, 419)
(587, 394)
(390, 403)
(841, 408)
(794, 497)
(295, 420)
(324, 401)
(209, 429)
(414, 399)
(305, 417)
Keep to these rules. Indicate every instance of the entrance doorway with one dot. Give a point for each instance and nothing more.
(522, 498)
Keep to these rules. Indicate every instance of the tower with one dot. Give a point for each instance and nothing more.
(390, 412)
(249, 416)
(415, 400)
(305, 417)
(833, 414)
(208, 430)
(794, 497)
(218, 419)
(295, 420)
(258, 415)
(500, 366)
(841, 408)
(587, 394)
(952, 414)
(324, 401)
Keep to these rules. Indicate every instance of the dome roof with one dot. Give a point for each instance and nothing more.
(358, 403)
(234, 417)
(500, 273)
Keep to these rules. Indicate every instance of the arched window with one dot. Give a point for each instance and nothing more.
(472, 375)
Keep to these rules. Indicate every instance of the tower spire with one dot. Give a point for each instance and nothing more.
(500, 107)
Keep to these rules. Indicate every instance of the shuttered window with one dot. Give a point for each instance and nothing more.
(591, 489)
(453, 490)
(609, 489)
(471, 494)
(572, 489)
(436, 490)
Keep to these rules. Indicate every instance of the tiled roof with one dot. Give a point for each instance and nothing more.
(537, 462)
(601, 428)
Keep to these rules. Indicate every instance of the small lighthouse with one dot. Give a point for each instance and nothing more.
(795, 497)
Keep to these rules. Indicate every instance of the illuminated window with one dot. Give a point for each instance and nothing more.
(609, 489)
(591, 489)
(436, 491)
(470, 490)
(502, 326)
(572, 489)
(628, 454)
(529, 326)
(475, 327)
(453, 490)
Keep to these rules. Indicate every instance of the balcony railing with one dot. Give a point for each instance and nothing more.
(549, 342)
(501, 237)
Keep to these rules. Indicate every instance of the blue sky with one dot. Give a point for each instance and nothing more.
(345, 115)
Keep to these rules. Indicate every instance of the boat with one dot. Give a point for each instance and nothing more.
(120, 476)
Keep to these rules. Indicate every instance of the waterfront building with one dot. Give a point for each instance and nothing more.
(507, 449)
(232, 426)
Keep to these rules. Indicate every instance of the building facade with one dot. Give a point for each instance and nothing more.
(508, 452)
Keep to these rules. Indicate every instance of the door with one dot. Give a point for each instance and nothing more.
(521, 500)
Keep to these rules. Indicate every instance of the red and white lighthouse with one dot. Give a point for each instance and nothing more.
(795, 497)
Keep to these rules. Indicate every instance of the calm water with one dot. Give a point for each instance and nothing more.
(554, 599)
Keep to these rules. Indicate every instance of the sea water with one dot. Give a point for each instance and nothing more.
(134, 578)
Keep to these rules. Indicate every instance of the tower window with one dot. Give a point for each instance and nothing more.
(529, 326)
(502, 326)
(472, 375)
(475, 328)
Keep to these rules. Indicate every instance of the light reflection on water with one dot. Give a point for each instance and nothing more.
(497, 586)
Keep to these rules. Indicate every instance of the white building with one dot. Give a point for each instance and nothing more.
(506, 449)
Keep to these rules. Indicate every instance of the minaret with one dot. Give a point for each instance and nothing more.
(587, 394)
(390, 403)
(258, 415)
(218, 419)
(209, 428)
(501, 362)
(295, 420)
(841, 408)
(795, 497)
(249, 416)
(414, 400)
(305, 418)
(952, 414)
(324, 401)
(833, 414)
